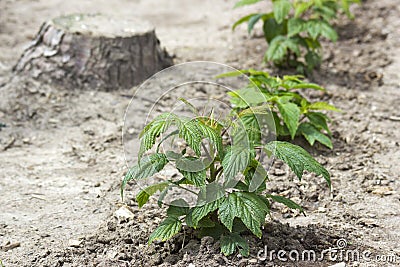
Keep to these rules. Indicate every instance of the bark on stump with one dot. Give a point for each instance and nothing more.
(94, 51)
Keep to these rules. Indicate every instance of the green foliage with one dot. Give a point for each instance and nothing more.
(293, 29)
(297, 158)
(229, 182)
(294, 115)
(232, 241)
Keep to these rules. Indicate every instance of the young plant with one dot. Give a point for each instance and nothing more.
(224, 173)
(294, 115)
(293, 29)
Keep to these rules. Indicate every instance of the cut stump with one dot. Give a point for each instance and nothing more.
(94, 51)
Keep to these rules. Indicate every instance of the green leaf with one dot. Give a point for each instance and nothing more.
(197, 178)
(328, 32)
(230, 242)
(212, 135)
(295, 26)
(190, 164)
(308, 86)
(188, 130)
(258, 176)
(279, 47)
(153, 130)
(273, 29)
(314, 28)
(143, 196)
(216, 232)
(146, 168)
(199, 212)
(206, 223)
(252, 21)
(235, 160)
(192, 108)
(322, 106)
(276, 50)
(173, 156)
(245, 3)
(248, 207)
(242, 20)
(297, 158)
(319, 120)
(178, 208)
(287, 202)
(167, 229)
(290, 113)
(281, 9)
(247, 97)
(312, 134)
(252, 127)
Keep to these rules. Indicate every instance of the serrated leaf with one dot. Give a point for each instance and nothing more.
(197, 178)
(212, 135)
(290, 114)
(199, 212)
(287, 202)
(153, 130)
(235, 161)
(281, 9)
(189, 131)
(143, 196)
(312, 134)
(147, 167)
(232, 241)
(252, 127)
(297, 159)
(246, 2)
(322, 106)
(167, 229)
(248, 207)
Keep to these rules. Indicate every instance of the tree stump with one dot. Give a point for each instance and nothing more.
(94, 51)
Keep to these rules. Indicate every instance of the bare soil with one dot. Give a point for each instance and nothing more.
(62, 158)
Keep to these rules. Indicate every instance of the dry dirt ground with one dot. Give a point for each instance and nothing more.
(62, 159)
